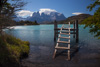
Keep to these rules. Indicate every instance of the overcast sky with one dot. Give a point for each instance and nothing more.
(67, 7)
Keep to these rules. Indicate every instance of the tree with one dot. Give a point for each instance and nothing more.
(7, 11)
(9, 7)
(94, 21)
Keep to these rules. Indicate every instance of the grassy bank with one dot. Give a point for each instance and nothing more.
(12, 50)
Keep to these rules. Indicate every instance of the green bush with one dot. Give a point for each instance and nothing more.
(12, 50)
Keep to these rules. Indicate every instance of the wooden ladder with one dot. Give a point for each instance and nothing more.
(67, 42)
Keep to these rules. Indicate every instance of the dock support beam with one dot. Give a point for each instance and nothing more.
(74, 30)
(77, 37)
(55, 31)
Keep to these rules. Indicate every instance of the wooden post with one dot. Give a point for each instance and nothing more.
(68, 54)
(55, 30)
(74, 30)
(69, 44)
(77, 31)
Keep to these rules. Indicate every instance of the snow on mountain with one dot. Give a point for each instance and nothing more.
(46, 15)
(46, 11)
(43, 15)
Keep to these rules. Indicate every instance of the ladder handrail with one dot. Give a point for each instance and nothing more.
(69, 31)
(59, 35)
(69, 36)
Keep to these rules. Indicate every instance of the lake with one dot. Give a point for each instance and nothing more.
(41, 38)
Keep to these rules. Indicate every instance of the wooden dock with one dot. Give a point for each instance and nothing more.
(65, 31)
(73, 30)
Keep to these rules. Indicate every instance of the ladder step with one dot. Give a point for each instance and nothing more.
(63, 42)
(65, 37)
(65, 33)
(62, 48)
(67, 28)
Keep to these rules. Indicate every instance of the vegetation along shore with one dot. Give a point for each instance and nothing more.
(12, 50)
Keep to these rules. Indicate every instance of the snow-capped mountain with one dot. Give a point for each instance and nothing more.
(46, 15)
(41, 16)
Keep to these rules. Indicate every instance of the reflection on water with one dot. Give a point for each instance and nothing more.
(44, 34)
(41, 38)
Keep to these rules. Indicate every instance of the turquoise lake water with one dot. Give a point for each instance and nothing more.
(41, 38)
(44, 35)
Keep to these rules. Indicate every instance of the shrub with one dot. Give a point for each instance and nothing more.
(12, 50)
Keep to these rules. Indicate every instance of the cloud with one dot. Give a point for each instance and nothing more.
(77, 13)
(24, 13)
(46, 11)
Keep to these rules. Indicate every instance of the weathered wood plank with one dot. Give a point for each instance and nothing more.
(72, 29)
(61, 48)
(63, 42)
(54, 53)
(65, 37)
(68, 55)
(65, 33)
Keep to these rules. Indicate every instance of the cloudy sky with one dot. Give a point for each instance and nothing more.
(67, 7)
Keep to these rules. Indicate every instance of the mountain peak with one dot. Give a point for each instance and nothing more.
(46, 11)
(47, 15)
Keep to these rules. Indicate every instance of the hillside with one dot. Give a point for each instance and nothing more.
(26, 23)
(71, 19)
